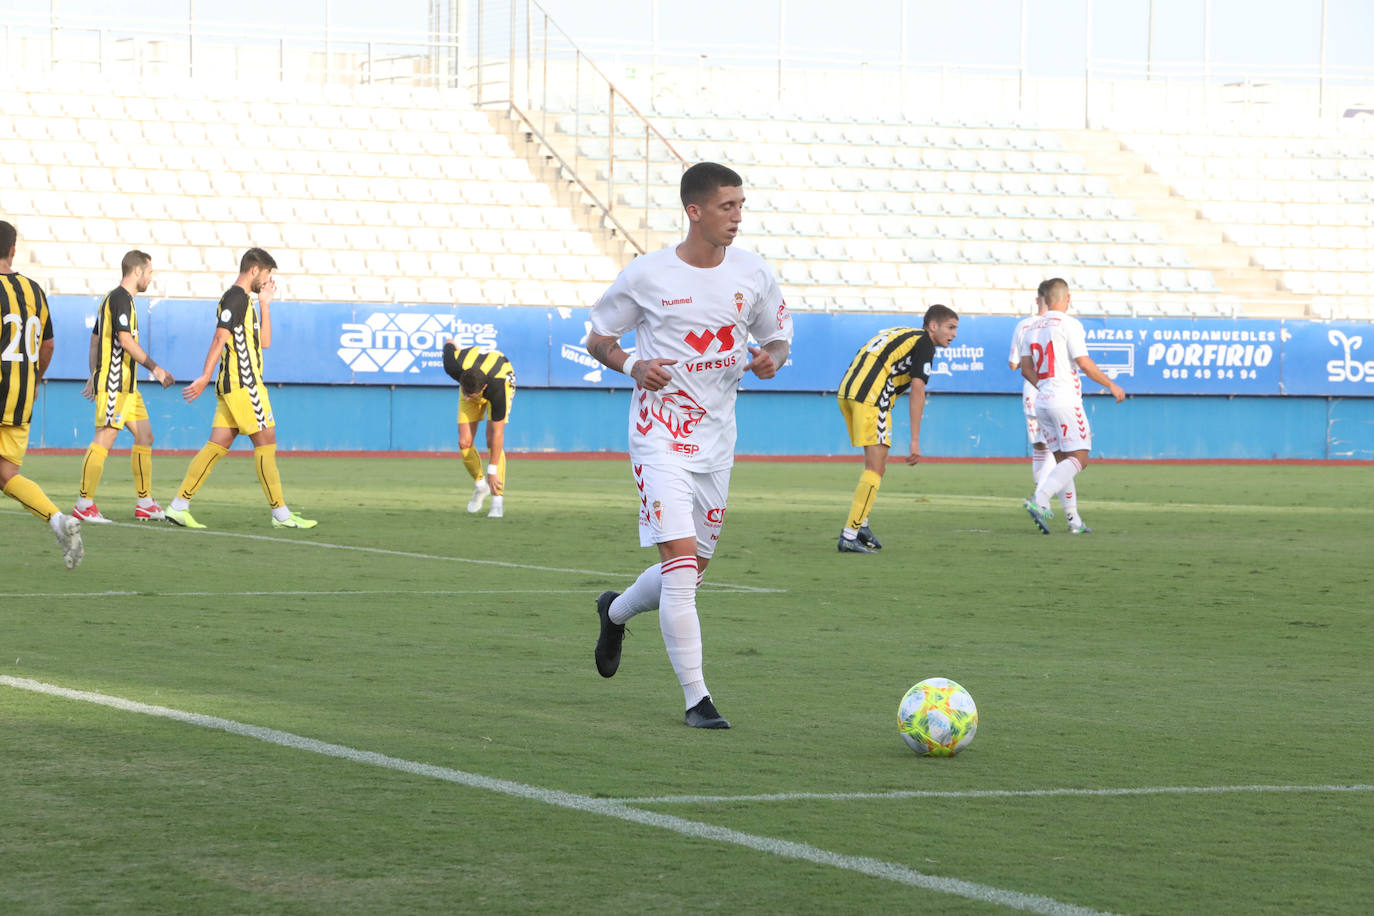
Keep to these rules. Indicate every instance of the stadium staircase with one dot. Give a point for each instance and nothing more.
(1205, 244)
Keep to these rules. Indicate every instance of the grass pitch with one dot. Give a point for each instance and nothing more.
(1176, 712)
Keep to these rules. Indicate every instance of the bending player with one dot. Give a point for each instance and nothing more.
(487, 381)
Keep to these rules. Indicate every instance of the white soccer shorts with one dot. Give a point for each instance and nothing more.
(677, 503)
(1065, 429)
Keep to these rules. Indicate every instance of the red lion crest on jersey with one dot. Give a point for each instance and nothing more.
(679, 412)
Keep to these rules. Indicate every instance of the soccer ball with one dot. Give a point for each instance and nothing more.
(937, 718)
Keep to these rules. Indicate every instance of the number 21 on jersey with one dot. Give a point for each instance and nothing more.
(1043, 356)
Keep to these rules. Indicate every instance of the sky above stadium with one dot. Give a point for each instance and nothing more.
(1268, 35)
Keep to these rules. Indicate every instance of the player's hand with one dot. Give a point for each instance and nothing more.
(193, 390)
(268, 292)
(761, 363)
(164, 377)
(915, 456)
(89, 391)
(1117, 392)
(652, 374)
(494, 483)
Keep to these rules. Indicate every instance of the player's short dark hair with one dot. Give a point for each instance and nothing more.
(704, 179)
(472, 380)
(1043, 290)
(256, 257)
(8, 236)
(133, 260)
(941, 313)
(1055, 290)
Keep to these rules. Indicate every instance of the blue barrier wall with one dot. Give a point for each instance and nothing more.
(382, 418)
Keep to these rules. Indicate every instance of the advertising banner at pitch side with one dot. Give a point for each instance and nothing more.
(346, 344)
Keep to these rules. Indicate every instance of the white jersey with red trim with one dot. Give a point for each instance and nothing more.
(1054, 342)
(1018, 335)
(703, 318)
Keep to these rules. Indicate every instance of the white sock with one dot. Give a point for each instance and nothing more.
(83, 503)
(850, 534)
(681, 628)
(694, 693)
(146, 502)
(498, 502)
(1068, 498)
(281, 513)
(1059, 479)
(640, 597)
(55, 522)
(1042, 462)
(181, 505)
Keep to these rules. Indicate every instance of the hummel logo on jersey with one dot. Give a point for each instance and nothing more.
(668, 302)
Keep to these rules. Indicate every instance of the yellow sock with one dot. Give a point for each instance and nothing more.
(200, 469)
(141, 460)
(31, 496)
(91, 470)
(265, 458)
(500, 475)
(864, 494)
(472, 460)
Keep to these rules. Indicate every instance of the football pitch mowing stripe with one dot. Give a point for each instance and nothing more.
(978, 793)
(888, 871)
(755, 589)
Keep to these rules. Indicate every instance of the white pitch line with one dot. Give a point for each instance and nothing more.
(876, 868)
(977, 793)
(753, 589)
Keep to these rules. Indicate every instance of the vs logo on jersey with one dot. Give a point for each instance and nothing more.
(701, 342)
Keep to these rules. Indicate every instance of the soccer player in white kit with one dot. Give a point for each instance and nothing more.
(693, 308)
(1042, 459)
(1053, 351)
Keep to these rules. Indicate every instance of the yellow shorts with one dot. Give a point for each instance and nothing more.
(122, 408)
(246, 409)
(476, 411)
(14, 443)
(868, 425)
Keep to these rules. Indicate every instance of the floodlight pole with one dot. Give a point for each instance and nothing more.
(1087, 63)
(782, 21)
(1021, 67)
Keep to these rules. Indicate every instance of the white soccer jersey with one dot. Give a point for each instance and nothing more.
(1054, 342)
(701, 317)
(1014, 358)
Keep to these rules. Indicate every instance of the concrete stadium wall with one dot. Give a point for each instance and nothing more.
(385, 418)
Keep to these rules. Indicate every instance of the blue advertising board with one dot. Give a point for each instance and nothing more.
(346, 344)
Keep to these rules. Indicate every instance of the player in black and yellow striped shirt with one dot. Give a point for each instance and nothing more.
(26, 347)
(892, 362)
(113, 385)
(241, 399)
(487, 380)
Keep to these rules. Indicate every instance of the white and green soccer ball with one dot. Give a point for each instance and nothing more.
(937, 718)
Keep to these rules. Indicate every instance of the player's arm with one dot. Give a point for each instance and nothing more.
(197, 385)
(92, 355)
(1089, 368)
(649, 374)
(917, 405)
(764, 361)
(1028, 370)
(140, 355)
(496, 444)
(269, 289)
(44, 356)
